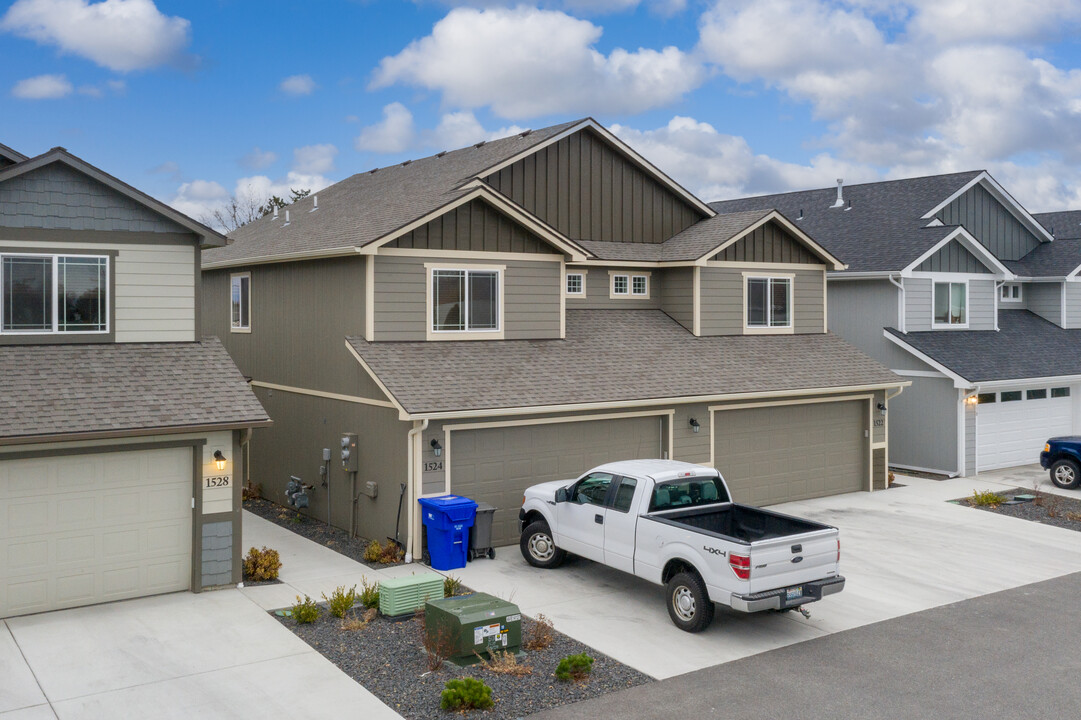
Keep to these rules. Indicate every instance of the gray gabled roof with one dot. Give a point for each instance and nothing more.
(612, 356)
(10, 156)
(1064, 225)
(1025, 346)
(881, 232)
(1054, 259)
(57, 391)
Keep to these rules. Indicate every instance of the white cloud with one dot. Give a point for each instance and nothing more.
(951, 21)
(314, 159)
(297, 85)
(122, 35)
(257, 159)
(525, 62)
(198, 198)
(42, 87)
(393, 134)
(117, 87)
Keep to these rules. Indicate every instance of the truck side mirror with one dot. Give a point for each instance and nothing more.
(561, 495)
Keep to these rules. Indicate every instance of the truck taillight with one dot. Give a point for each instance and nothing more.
(741, 566)
(838, 549)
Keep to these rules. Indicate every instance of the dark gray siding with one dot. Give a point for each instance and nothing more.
(1044, 299)
(301, 314)
(722, 300)
(990, 223)
(768, 243)
(598, 290)
(954, 257)
(57, 197)
(531, 291)
(677, 295)
(474, 226)
(588, 191)
(923, 425)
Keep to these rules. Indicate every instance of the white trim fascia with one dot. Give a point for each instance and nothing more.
(1023, 383)
(868, 275)
(803, 237)
(762, 265)
(935, 223)
(918, 373)
(900, 284)
(971, 244)
(1002, 196)
(958, 381)
(1073, 274)
(402, 414)
(563, 297)
(282, 257)
(696, 299)
(637, 159)
(322, 394)
(369, 298)
(470, 254)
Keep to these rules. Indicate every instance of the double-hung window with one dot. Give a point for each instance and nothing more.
(951, 304)
(54, 294)
(240, 302)
(769, 303)
(466, 300)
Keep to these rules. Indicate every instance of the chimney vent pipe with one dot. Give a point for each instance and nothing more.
(840, 202)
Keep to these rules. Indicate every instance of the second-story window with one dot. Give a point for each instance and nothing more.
(46, 294)
(465, 300)
(576, 284)
(630, 286)
(769, 302)
(240, 302)
(951, 304)
(1011, 293)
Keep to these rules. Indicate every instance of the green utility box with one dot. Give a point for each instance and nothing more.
(406, 595)
(468, 625)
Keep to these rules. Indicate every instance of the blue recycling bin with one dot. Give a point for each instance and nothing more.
(448, 519)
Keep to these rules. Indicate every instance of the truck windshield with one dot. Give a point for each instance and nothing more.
(687, 492)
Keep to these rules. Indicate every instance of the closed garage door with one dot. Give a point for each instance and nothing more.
(792, 452)
(1013, 425)
(85, 529)
(495, 465)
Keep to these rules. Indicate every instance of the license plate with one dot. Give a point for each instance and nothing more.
(794, 593)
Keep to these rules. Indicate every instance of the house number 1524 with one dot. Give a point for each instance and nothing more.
(433, 466)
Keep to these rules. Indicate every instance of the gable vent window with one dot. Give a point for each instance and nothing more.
(951, 304)
(240, 302)
(54, 294)
(576, 284)
(1010, 293)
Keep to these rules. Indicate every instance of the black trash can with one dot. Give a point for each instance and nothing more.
(480, 535)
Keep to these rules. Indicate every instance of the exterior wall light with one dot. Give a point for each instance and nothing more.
(219, 460)
(881, 408)
(436, 447)
(695, 426)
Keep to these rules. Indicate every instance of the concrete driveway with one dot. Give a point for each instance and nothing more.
(903, 550)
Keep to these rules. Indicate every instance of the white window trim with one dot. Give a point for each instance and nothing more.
(788, 329)
(55, 290)
(1014, 300)
(432, 334)
(968, 308)
(581, 273)
(239, 328)
(630, 294)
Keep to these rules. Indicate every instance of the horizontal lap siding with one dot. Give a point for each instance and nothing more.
(1044, 299)
(677, 295)
(918, 301)
(919, 304)
(400, 299)
(990, 223)
(981, 304)
(598, 291)
(722, 300)
(1073, 304)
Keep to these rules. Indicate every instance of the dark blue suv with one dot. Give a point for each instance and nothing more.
(1062, 456)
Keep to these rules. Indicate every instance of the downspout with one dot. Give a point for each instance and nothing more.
(901, 304)
(411, 466)
(245, 441)
(998, 288)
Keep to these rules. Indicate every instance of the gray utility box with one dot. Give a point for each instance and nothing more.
(466, 626)
(480, 535)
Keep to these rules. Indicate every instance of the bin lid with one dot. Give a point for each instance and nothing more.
(447, 502)
(485, 507)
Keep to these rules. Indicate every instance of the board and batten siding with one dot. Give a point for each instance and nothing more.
(722, 299)
(154, 285)
(1073, 304)
(589, 191)
(953, 257)
(598, 289)
(919, 304)
(768, 243)
(1044, 299)
(677, 295)
(531, 292)
(475, 226)
(990, 223)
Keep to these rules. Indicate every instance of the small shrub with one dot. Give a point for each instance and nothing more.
(260, 565)
(451, 586)
(251, 492)
(539, 634)
(986, 498)
(1073, 516)
(305, 611)
(574, 667)
(437, 643)
(890, 478)
(392, 554)
(359, 623)
(369, 593)
(373, 552)
(466, 693)
(505, 663)
(341, 600)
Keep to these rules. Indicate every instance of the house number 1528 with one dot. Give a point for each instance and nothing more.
(220, 481)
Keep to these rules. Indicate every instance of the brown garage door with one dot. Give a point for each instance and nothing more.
(792, 452)
(495, 465)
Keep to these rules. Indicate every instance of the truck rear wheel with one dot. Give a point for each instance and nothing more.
(538, 548)
(1065, 474)
(689, 605)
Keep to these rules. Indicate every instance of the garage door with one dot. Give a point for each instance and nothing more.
(85, 529)
(1013, 425)
(792, 452)
(496, 465)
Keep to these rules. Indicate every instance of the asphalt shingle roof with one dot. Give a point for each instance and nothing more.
(1065, 225)
(608, 356)
(366, 206)
(48, 390)
(1053, 259)
(1025, 346)
(883, 231)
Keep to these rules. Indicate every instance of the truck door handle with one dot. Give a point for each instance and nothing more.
(599, 519)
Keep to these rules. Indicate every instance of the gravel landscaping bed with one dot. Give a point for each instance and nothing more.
(387, 657)
(334, 538)
(1063, 512)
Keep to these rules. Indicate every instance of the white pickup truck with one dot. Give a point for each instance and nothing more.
(674, 524)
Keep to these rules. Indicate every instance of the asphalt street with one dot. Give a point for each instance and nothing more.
(1012, 654)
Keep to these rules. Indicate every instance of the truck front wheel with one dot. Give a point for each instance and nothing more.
(538, 548)
(689, 605)
(1065, 474)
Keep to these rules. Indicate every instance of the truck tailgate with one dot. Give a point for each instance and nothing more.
(794, 559)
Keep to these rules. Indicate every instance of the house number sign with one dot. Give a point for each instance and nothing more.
(218, 481)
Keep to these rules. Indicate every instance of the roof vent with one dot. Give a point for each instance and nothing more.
(286, 218)
(441, 153)
(840, 201)
(315, 203)
(800, 214)
(480, 144)
(524, 133)
(849, 205)
(406, 163)
(275, 212)
(373, 171)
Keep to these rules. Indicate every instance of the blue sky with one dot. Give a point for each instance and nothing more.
(193, 102)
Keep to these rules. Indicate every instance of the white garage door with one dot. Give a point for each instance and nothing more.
(1013, 425)
(86, 529)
